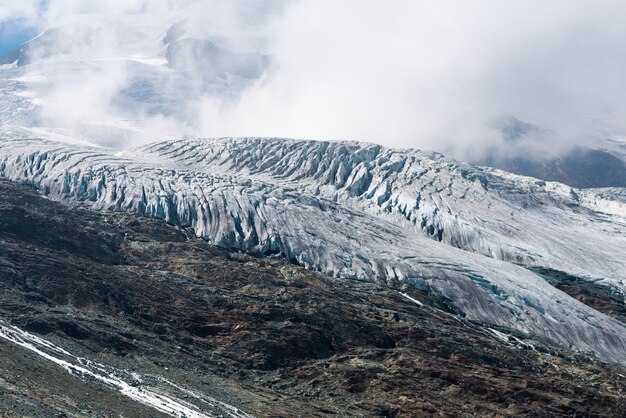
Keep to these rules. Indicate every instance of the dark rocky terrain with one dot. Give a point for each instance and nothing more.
(265, 336)
(598, 297)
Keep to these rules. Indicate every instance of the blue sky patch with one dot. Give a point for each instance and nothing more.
(14, 33)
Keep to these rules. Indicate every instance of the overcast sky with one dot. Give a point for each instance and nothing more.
(431, 74)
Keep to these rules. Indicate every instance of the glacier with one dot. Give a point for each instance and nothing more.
(366, 212)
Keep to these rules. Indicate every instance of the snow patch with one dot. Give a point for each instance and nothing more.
(417, 302)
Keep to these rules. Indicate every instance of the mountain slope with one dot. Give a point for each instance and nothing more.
(371, 213)
(581, 167)
(151, 304)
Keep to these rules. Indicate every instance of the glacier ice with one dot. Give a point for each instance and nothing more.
(367, 212)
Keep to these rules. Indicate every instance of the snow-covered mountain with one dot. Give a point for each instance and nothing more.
(468, 235)
(113, 80)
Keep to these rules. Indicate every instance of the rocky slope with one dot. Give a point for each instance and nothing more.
(369, 213)
(148, 303)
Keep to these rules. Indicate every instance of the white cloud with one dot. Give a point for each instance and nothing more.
(408, 73)
(26, 10)
(437, 75)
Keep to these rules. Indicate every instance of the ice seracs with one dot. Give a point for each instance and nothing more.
(482, 210)
(367, 212)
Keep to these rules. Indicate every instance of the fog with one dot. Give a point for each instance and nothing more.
(452, 76)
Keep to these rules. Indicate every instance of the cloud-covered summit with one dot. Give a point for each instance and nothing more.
(439, 75)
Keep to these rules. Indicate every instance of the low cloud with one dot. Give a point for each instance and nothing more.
(449, 75)
(28, 11)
